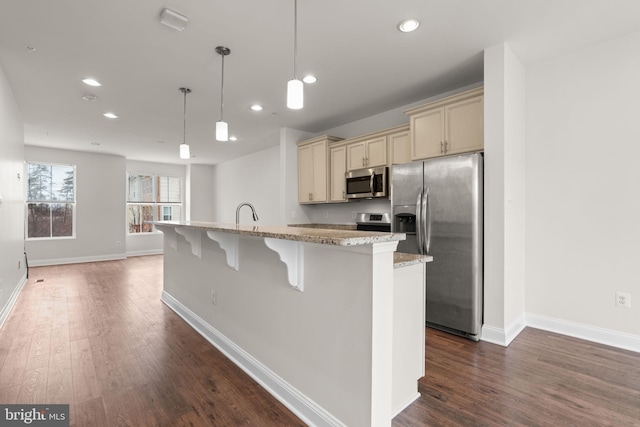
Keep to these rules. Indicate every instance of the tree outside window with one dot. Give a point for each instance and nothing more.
(50, 201)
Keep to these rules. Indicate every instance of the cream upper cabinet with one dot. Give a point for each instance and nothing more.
(313, 168)
(338, 167)
(449, 126)
(368, 153)
(464, 126)
(399, 147)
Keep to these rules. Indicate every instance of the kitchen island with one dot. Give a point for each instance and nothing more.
(308, 313)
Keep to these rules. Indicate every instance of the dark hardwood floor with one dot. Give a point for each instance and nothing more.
(96, 336)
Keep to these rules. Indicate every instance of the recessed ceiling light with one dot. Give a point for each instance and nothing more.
(95, 143)
(110, 115)
(256, 107)
(408, 25)
(309, 79)
(233, 138)
(88, 97)
(91, 82)
(30, 49)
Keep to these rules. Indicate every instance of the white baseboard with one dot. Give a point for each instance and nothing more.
(586, 332)
(12, 300)
(75, 260)
(145, 252)
(303, 407)
(577, 330)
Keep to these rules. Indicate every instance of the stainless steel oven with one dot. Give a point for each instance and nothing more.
(367, 183)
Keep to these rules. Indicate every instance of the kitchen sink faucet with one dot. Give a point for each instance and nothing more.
(253, 211)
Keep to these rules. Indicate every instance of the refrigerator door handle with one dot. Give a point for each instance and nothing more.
(419, 228)
(426, 221)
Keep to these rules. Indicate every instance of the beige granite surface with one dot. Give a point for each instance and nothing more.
(302, 234)
(327, 226)
(401, 259)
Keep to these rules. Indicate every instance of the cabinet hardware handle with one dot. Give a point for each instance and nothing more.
(344, 195)
(441, 149)
(310, 196)
(445, 147)
(363, 161)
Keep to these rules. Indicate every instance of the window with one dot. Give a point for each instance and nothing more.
(152, 198)
(51, 201)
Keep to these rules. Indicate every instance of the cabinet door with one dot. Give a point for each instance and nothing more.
(376, 153)
(338, 165)
(427, 134)
(305, 173)
(319, 184)
(356, 155)
(464, 126)
(400, 147)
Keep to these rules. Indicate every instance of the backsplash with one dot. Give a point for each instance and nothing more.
(344, 213)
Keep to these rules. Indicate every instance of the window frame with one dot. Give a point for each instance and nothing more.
(28, 202)
(155, 204)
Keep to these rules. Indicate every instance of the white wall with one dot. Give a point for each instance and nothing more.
(150, 243)
(504, 195)
(254, 178)
(100, 209)
(199, 193)
(583, 181)
(12, 276)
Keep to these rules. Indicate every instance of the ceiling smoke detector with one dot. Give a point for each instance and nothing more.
(173, 19)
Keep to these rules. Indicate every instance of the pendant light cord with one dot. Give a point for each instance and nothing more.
(184, 120)
(295, 36)
(222, 91)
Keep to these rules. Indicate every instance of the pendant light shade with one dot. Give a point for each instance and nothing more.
(295, 89)
(184, 147)
(222, 131)
(222, 128)
(295, 94)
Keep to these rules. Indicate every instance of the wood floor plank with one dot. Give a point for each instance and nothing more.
(98, 336)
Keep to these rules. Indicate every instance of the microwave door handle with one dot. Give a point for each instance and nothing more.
(419, 230)
(371, 183)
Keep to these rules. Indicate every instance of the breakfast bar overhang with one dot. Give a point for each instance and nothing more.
(308, 313)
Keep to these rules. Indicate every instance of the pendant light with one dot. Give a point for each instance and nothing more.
(295, 95)
(222, 128)
(184, 147)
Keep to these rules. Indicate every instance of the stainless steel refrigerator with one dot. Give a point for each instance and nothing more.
(438, 204)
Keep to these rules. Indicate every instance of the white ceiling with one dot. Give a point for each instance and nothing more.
(363, 63)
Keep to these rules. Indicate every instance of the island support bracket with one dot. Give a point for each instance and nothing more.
(292, 254)
(229, 244)
(194, 237)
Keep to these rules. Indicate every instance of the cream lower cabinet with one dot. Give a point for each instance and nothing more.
(313, 169)
(369, 153)
(449, 126)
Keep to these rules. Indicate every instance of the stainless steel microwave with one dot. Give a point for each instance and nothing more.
(367, 183)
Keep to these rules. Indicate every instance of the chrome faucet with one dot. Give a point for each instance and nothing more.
(253, 211)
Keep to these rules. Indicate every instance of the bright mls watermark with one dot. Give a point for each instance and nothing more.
(34, 415)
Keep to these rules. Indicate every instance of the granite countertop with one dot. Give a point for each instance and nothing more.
(327, 226)
(322, 236)
(401, 259)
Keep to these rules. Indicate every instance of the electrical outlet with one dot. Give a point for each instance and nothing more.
(353, 214)
(623, 299)
(326, 214)
(214, 297)
(19, 264)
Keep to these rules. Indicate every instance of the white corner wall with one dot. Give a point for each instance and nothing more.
(199, 193)
(583, 197)
(12, 263)
(504, 195)
(100, 209)
(254, 178)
